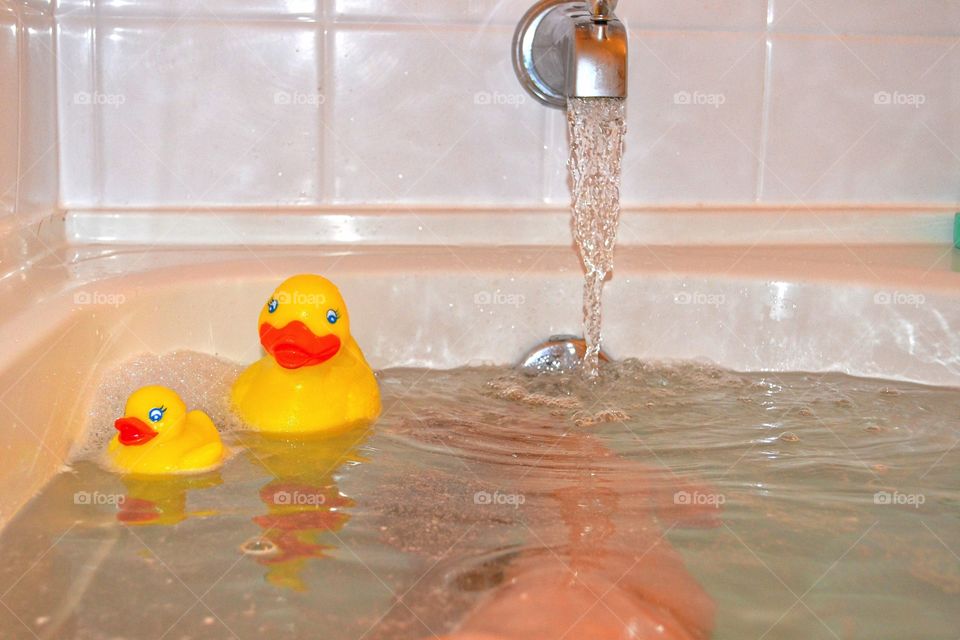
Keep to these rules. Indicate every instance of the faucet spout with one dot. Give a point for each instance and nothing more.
(603, 9)
(571, 49)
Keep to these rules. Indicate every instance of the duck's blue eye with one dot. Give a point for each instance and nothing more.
(156, 413)
(332, 316)
(272, 305)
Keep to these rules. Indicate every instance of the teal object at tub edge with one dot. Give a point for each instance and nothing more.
(956, 230)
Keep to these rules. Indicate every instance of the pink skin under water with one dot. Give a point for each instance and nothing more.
(616, 576)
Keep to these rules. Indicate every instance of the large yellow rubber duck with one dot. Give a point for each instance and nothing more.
(156, 435)
(314, 377)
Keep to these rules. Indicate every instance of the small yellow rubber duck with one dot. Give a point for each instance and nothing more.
(314, 377)
(158, 436)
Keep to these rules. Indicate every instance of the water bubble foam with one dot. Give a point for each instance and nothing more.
(203, 382)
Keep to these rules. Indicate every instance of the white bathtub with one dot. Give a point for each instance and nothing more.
(884, 311)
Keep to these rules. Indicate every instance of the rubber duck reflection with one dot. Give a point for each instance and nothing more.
(303, 501)
(162, 500)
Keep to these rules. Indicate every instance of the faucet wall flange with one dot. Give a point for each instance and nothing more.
(565, 48)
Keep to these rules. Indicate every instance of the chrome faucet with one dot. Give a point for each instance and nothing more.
(565, 49)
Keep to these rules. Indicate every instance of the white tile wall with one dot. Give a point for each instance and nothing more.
(37, 194)
(191, 112)
(225, 10)
(469, 136)
(80, 159)
(44, 7)
(428, 12)
(699, 15)
(28, 132)
(9, 112)
(692, 120)
(208, 103)
(861, 119)
(878, 17)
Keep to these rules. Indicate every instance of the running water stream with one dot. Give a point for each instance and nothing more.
(596, 128)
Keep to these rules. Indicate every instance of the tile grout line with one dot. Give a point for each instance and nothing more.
(765, 102)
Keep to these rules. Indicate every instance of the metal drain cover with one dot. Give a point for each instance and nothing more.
(558, 354)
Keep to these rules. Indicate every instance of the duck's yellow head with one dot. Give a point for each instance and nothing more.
(304, 322)
(151, 411)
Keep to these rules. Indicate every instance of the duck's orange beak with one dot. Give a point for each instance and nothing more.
(295, 346)
(134, 431)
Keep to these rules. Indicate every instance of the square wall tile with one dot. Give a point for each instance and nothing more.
(80, 160)
(693, 121)
(436, 116)
(303, 10)
(9, 111)
(428, 11)
(36, 7)
(38, 183)
(196, 113)
(705, 15)
(890, 17)
(863, 120)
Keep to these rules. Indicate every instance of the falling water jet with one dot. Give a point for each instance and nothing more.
(572, 54)
(596, 127)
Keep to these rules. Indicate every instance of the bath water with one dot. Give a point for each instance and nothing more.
(596, 127)
(702, 501)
